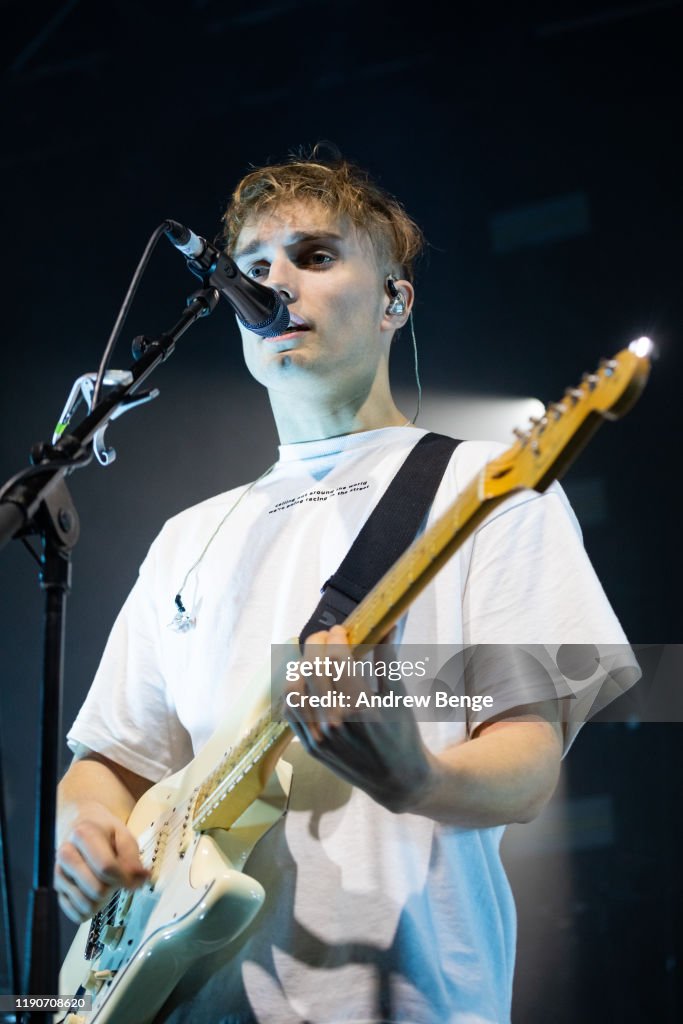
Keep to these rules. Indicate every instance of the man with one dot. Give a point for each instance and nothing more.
(386, 898)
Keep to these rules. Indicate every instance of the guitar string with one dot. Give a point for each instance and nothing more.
(176, 818)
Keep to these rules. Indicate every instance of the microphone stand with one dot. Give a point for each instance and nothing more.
(9, 950)
(37, 501)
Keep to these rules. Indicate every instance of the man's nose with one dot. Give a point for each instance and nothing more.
(282, 279)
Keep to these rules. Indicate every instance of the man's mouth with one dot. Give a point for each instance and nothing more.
(296, 324)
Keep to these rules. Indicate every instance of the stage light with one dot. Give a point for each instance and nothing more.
(472, 416)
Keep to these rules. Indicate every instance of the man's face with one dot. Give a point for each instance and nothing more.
(327, 274)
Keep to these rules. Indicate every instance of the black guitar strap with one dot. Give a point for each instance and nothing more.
(392, 526)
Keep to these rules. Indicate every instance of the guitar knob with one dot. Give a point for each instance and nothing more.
(96, 980)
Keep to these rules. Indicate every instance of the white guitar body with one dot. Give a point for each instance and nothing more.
(198, 898)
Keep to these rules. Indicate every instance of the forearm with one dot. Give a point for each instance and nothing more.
(507, 773)
(91, 781)
(96, 853)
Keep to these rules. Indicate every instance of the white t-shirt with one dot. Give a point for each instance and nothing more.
(369, 916)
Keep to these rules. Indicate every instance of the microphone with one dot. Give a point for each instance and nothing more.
(259, 309)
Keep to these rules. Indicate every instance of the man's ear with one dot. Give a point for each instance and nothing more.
(400, 295)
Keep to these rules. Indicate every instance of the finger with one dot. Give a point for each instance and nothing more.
(335, 670)
(70, 910)
(323, 637)
(98, 847)
(126, 846)
(338, 645)
(298, 690)
(304, 698)
(304, 736)
(77, 872)
(338, 635)
(332, 644)
(95, 846)
(305, 720)
(75, 902)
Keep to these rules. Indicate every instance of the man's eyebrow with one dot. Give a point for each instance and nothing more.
(297, 236)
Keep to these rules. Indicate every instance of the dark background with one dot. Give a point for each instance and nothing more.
(538, 145)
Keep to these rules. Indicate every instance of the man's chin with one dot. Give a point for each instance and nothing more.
(285, 369)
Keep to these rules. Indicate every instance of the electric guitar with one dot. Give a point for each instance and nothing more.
(197, 828)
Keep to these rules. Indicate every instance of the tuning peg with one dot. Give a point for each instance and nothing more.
(521, 435)
(539, 423)
(608, 366)
(557, 409)
(591, 379)
(574, 393)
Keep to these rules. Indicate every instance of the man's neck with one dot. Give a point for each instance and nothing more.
(299, 421)
(325, 409)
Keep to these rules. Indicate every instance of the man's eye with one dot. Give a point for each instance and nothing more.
(258, 270)
(317, 259)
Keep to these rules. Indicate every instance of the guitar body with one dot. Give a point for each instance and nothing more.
(201, 909)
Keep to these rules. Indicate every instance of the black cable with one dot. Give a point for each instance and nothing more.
(125, 309)
(85, 457)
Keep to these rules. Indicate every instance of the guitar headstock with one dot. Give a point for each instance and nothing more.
(544, 451)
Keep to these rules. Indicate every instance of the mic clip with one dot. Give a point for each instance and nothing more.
(82, 391)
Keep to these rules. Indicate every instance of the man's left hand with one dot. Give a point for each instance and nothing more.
(380, 752)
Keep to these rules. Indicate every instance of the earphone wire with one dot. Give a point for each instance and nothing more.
(181, 611)
(418, 382)
(394, 292)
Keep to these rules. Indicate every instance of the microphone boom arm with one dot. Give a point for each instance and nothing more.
(52, 462)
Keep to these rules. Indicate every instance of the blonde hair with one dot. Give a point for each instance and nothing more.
(340, 187)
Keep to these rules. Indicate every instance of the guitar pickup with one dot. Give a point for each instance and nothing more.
(111, 935)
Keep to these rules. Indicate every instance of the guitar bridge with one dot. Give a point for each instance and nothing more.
(101, 923)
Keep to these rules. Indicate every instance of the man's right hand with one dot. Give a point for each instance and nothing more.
(97, 855)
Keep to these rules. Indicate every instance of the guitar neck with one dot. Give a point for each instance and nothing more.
(372, 619)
